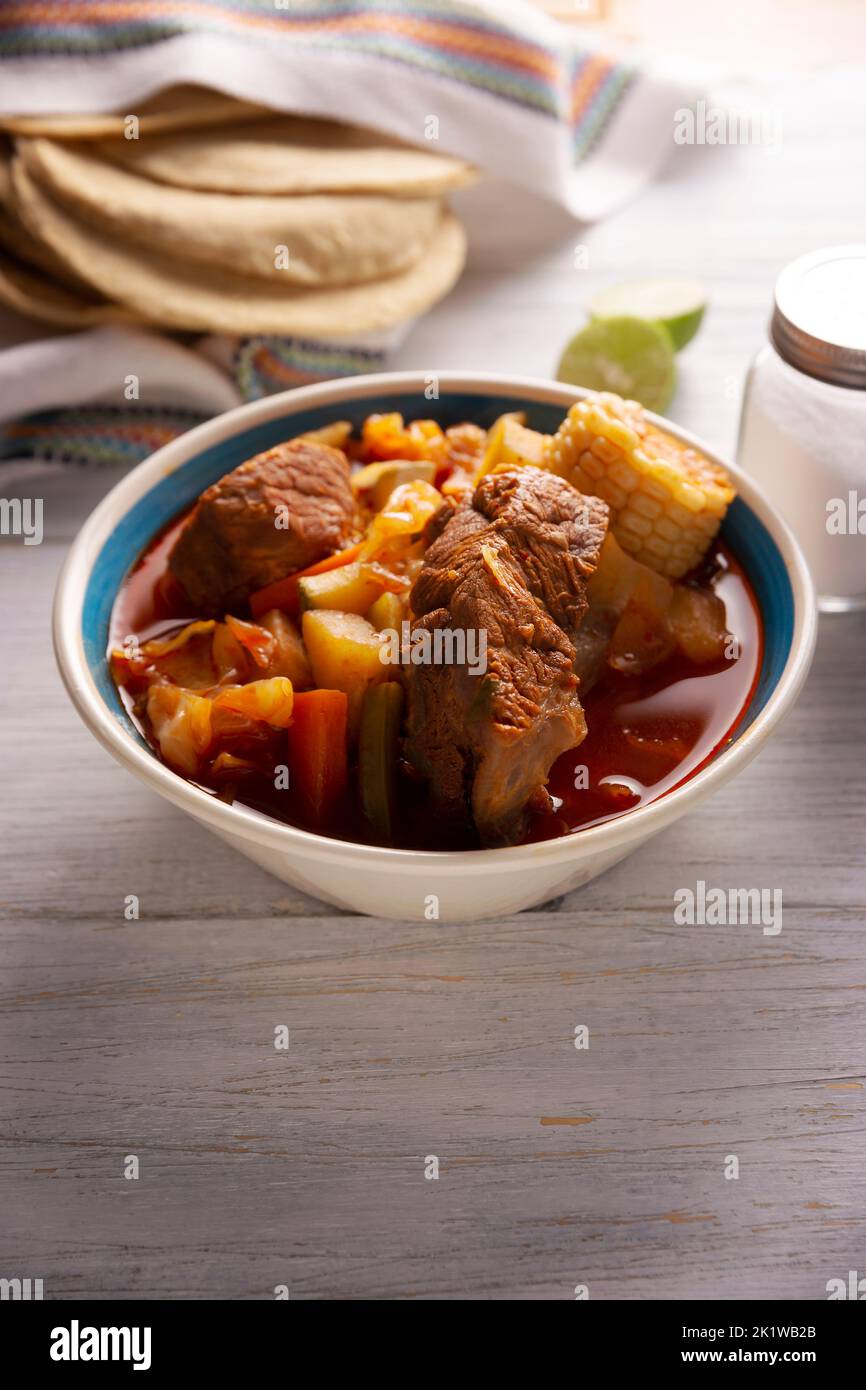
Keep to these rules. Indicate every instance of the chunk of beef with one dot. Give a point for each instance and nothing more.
(276, 513)
(512, 562)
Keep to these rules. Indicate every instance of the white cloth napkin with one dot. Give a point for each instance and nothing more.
(496, 82)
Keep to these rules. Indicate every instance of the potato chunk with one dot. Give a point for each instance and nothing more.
(349, 589)
(344, 653)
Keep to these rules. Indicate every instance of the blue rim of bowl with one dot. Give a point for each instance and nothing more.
(743, 530)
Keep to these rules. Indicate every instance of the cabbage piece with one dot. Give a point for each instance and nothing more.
(181, 723)
(230, 657)
(269, 700)
(395, 530)
(229, 763)
(159, 647)
(184, 658)
(255, 639)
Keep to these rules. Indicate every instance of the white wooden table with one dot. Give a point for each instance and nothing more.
(557, 1167)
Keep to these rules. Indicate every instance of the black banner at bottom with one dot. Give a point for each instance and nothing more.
(66, 1338)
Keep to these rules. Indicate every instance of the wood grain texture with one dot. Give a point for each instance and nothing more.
(605, 1166)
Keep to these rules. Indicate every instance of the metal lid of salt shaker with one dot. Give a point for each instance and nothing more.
(819, 318)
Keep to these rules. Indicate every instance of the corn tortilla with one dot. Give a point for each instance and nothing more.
(291, 154)
(202, 300)
(324, 239)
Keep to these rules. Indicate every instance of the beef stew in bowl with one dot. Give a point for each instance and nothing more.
(116, 549)
(445, 638)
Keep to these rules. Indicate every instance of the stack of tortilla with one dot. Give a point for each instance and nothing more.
(204, 214)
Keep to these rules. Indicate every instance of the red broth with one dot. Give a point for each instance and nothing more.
(647, 734)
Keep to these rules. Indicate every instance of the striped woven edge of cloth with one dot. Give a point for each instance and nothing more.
(504, 48)
(106, 436)
(113, 435)
(263, 365)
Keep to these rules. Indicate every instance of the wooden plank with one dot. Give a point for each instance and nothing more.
(604, 1166)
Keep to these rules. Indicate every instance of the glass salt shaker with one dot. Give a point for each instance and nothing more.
(803, 422)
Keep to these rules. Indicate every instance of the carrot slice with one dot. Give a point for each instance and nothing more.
(317, 753)
(283, 593)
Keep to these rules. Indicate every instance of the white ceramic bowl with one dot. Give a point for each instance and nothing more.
(394, 883)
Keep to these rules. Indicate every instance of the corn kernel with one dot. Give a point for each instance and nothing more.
(647, 506)
(637, 525)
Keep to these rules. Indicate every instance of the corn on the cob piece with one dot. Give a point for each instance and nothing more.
(667, 501)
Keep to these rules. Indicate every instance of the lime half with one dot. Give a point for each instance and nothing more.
(678, 305)
(630, 356)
